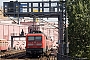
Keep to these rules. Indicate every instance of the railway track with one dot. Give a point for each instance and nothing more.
(18, 57)
(10, 53)
(22, 55)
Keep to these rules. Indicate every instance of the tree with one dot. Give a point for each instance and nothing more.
(79, 27)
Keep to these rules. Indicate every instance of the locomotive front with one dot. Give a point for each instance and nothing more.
(35, 44)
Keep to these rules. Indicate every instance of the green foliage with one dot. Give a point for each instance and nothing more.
(79, 27)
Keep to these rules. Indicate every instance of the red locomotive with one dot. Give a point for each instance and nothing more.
(36, 44)
(3, 45)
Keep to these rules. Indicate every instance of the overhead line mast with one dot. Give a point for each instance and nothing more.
(18, 11)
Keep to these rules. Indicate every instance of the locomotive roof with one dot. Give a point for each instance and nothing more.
(37, 32)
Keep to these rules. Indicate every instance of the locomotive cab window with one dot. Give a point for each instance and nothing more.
(38, 38)
(30, 38)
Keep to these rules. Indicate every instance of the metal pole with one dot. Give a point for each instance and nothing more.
(66, 47)
(63, 32)
(18, 13)
(18, 10)
(66, 32)
(61, 38)
(67, 43)
(34, 27)
(64, 18)
(11, 42)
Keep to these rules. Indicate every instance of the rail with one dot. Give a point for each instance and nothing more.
(11, 52)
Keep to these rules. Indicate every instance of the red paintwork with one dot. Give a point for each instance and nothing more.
(34, 44)
(3, 44)
(43, 42)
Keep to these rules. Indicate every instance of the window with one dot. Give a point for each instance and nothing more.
(38, 38)
(30, 38)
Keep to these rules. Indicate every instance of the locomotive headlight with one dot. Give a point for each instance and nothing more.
(30, 44)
